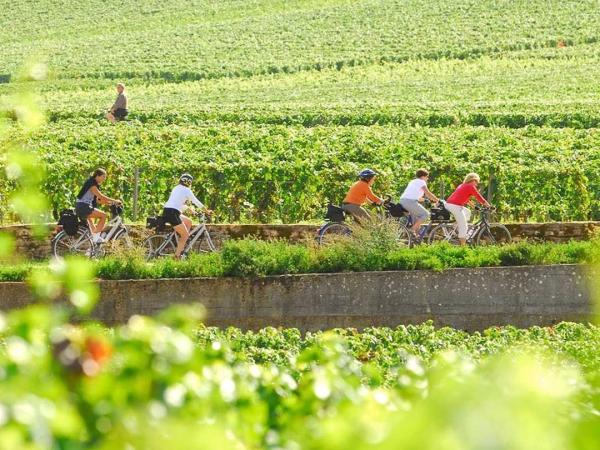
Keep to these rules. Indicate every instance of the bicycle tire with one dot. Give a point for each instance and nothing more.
(443, 232)
(120, 241)
(81, 244)
(493, 234)
(331, 231)
(404, 237)
(204, 244)
(154, 246)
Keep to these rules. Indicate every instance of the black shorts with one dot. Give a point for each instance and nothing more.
(83, 210)
(120, 113)
(172, 216)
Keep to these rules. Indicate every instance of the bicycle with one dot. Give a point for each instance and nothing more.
(439, 214)
(335, 226)
(75, 238)
(165, 244)
(483, 232)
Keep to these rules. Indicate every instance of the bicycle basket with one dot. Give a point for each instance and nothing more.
(439, 214)
(69, 221)
(334, 213)
(395, 209)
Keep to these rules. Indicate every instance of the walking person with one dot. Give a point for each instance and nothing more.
(119, 110)
(457, 201)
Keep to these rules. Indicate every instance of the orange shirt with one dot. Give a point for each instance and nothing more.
(359, 193)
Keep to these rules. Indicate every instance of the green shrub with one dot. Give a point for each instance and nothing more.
(252, 257)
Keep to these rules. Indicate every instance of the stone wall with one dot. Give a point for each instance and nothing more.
(29, 247)
(470, 299)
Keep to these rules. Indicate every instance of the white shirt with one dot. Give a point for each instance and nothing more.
(414, 190)
(179, 196)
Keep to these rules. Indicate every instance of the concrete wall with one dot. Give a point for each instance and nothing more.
(471, 299)
(29, 247)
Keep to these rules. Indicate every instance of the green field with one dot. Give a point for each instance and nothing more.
(275, 105)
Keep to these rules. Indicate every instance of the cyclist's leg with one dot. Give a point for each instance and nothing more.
(461, 220)
(187, 221)
(359, 213)
(184, 234)
(100, 223)
(418, 213)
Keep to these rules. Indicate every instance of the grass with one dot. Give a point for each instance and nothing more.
(254, 258)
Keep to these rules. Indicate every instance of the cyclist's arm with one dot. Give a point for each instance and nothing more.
(103, 198)
(480, 198)
(372, 197)
(192, 198)
(430, 195)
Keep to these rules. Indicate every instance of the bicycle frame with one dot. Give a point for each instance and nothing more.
(474, 229)
(197, 233)
(116, 226)
(116, 229)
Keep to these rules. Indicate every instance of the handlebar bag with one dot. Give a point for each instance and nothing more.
(440, 214)
(396, 210)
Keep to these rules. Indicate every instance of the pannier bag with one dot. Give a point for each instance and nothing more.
(334, 213)
(396, 210)
(439, 214)
(69, 221)
(155, 222)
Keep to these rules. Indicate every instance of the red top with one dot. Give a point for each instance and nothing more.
(463, 194)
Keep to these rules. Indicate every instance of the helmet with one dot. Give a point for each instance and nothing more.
(367, 173)
(186, 179)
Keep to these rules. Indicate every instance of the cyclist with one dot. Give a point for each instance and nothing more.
(88, 198)
(459, 198)
(412, 197)
(359, 193)
(180, 195)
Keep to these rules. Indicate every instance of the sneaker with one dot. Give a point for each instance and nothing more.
(99, 240)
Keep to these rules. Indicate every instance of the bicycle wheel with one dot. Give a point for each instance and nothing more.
(120, 242)
(159, 245)
(203, 244)
(79, 244)
(493, 234)
(332, 231)
(444, 232)
(404, 236)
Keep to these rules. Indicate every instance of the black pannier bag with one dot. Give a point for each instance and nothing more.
(69, 221)
(334, 213)
(155, 222)
(396, 209)
(440, 214)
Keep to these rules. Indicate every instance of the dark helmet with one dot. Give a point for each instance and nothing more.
(186, 179)
(367, 173)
